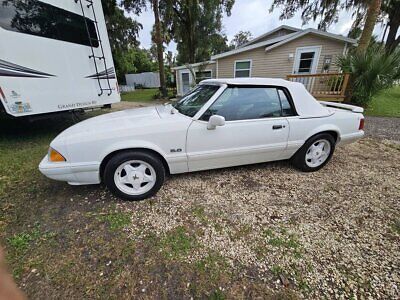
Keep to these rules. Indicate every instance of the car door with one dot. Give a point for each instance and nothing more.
(256, 129)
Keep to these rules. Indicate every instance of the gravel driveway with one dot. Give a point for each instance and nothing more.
(383, 128)
(333, 233)
(330, 234)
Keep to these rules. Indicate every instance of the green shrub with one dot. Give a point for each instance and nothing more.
(371, 72)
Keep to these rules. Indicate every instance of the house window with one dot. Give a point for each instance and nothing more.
(203, 75)
(243, 68)
(306, 60)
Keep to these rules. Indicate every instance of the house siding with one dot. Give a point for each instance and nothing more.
(213, 67)
(275, 62)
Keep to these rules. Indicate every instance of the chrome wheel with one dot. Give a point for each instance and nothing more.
(318, 153)
(135, 177)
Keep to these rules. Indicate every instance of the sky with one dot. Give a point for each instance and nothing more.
(253, 16)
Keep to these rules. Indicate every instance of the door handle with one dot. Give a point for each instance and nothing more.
(276, 127)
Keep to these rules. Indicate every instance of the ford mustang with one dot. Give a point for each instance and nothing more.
(218, 124)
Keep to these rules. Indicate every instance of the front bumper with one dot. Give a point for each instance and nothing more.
(73, 173)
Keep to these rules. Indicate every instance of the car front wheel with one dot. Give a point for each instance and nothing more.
(134, 175)
(315, 153)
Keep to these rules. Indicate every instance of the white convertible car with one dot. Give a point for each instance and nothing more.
(220, 123)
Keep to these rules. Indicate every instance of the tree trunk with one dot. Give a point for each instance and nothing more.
(393, 12)
(372, 15)
(392, 42)
(191, 32)
(160, 50)
(384, 33)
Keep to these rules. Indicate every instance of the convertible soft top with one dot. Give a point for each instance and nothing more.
(306, 105)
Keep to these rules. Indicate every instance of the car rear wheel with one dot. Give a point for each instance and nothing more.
(134, 175)
(315, 153)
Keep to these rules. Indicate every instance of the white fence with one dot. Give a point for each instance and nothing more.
(126, 88)
(147, 79)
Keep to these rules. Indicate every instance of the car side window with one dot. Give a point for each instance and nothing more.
(287, 109)
(246, 103)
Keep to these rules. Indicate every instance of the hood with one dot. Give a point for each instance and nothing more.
(112, 121)
(129, 123)
(88, 140)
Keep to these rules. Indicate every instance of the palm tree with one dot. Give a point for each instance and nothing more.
(373, 10)
(372, 71)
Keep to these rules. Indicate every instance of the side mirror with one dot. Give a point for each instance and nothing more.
(215, 121)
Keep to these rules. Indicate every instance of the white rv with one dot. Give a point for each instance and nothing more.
(54, 56)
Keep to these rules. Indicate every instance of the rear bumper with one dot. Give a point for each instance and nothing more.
(351, 137)
(74, 174)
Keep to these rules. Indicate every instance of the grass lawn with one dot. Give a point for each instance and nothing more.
(60, 243)
(385, 104)
(65, 242)
(142, 95)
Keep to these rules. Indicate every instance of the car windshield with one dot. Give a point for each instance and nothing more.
(191, 103)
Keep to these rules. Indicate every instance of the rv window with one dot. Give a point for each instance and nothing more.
(45, 20)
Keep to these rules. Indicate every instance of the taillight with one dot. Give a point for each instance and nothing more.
(361, 127)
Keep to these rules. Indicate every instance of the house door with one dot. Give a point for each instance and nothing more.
(305, 63)
(185, 83)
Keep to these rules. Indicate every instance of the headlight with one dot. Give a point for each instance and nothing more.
(55, 156)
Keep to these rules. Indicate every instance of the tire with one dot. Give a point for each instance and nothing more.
(306, 158)
(134, 175)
